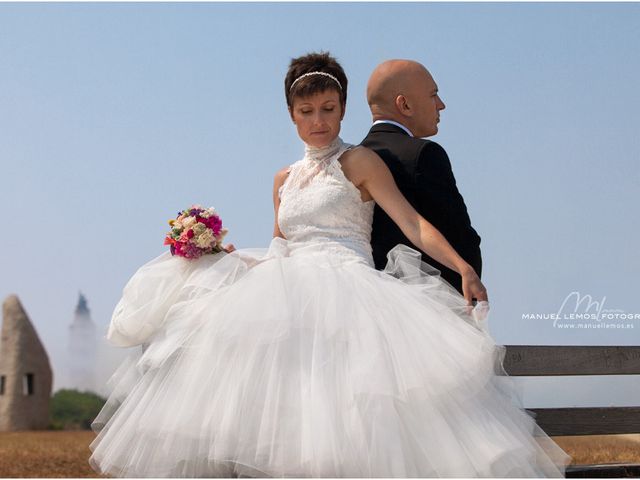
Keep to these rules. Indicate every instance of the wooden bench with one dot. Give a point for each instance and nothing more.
(528, 360)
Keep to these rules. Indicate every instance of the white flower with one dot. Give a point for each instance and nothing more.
(199, 228)
(188, 222)
(205, 239)
(209, 212)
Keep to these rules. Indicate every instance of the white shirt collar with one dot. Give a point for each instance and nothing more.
(392, 122)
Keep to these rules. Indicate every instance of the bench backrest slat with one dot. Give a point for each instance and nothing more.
(536, 360)
(588, 421)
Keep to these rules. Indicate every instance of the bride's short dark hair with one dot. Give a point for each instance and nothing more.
(314, 62)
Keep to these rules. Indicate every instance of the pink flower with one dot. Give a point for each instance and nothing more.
(215, 224)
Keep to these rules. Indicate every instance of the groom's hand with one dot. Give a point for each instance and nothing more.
(472, 287)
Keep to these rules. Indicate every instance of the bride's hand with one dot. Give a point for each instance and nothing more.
(228, 248)
(472, 287)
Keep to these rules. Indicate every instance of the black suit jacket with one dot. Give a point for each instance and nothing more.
(422, 171)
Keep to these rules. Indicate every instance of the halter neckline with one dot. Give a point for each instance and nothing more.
(324, 153)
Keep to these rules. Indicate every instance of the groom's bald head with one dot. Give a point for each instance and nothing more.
(391, 78)
(404, 91)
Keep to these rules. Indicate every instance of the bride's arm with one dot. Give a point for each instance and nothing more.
(370, 173)
(278, 181)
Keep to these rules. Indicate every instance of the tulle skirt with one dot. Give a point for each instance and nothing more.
(264, 363)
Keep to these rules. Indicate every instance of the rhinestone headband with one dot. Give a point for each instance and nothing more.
(315, 73)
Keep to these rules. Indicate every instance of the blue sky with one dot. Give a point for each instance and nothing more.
(115, 116)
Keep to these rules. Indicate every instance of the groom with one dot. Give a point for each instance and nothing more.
(404, 102)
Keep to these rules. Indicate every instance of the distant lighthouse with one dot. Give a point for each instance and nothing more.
(83, 346)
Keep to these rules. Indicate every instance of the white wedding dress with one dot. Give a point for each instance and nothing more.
(302, 360)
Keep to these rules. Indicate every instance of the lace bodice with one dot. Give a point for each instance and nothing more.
(320, 206)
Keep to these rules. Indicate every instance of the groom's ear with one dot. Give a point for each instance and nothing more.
(402, 105)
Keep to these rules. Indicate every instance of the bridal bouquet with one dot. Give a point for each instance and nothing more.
(196, 231)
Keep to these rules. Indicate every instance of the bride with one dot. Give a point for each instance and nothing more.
(302, 359)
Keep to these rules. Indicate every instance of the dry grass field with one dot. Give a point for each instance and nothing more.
(591, 449)
(65, 453)
(46, 454)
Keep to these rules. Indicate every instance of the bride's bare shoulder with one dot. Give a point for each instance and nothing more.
(281, 175)
(361, 158)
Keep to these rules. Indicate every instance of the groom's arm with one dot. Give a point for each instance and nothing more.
(442, 203)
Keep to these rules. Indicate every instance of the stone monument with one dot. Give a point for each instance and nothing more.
(25, 372)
